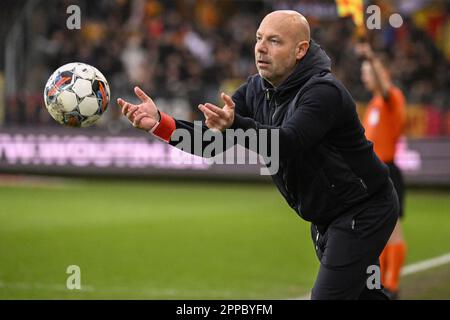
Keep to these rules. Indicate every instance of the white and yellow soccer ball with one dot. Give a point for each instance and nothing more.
(77, 94)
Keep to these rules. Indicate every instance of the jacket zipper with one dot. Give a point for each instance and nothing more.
(363, 184)
(275, 109)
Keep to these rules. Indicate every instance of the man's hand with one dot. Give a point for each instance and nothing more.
(217, 118)
(143, 116)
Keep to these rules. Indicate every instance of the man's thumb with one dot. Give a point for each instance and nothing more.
(228, 101)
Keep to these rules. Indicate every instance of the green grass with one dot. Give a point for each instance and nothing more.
(429, 284)
(427, 224)
(155, 240)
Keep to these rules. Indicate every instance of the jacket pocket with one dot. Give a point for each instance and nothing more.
(317, 202)
(349, 191)
(343, 182)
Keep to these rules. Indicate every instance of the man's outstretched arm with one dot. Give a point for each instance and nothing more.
(146, 116)
(312, 120)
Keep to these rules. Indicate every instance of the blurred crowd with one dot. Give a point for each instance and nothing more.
(185, 52)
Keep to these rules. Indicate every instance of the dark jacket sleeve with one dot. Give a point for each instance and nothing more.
(316, 113)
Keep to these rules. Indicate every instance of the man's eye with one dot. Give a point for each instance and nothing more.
(274, 41)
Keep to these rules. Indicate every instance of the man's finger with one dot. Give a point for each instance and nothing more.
(142, 95)
(123, 104)
(125, 107)
(208, 113)
(131, 110)
(138, 118)
(227, 99)
(216, 110)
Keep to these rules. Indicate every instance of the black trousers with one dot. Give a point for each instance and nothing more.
(352, 243)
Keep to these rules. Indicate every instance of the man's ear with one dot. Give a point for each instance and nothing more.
(302, 49)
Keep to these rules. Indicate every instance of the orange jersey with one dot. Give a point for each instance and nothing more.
(384, 122)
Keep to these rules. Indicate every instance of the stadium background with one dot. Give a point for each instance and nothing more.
(140, 225)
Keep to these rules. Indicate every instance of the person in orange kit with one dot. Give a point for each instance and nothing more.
(384, 122)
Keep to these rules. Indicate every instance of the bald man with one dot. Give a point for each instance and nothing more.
(328, 172)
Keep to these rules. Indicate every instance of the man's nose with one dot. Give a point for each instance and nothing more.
(261, 47)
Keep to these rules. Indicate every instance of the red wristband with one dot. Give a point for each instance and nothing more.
(164, 128)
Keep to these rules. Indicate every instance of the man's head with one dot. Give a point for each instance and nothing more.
(282, 40)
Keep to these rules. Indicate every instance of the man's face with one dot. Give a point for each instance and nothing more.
(367, 76)
(275, 51)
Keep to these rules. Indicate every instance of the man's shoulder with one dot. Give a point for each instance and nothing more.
(251, 87)
(255, 82)
(323, 87)
(245, 95)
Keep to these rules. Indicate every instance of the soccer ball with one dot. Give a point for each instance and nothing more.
(76, 95)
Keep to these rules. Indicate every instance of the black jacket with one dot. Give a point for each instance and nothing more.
(326, 163)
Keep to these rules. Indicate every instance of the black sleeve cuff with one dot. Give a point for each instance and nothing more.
(243, 123)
